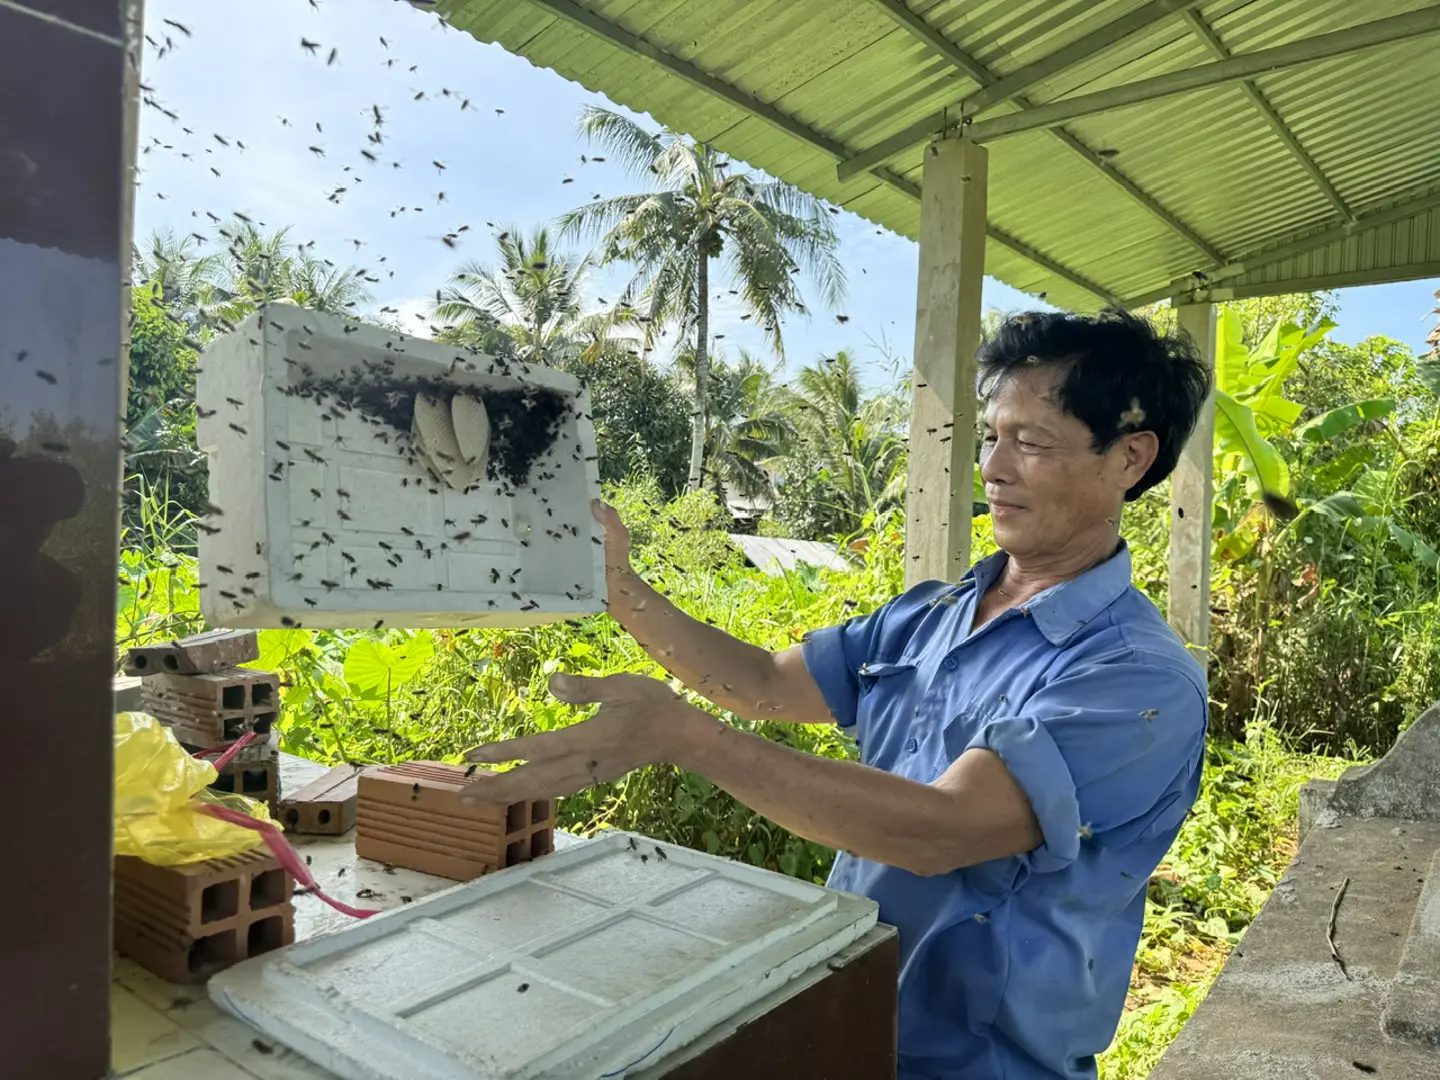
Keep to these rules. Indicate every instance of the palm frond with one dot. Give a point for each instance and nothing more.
(632, 147)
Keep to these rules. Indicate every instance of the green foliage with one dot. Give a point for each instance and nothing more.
(162, 363)
(641, 415)
(848, 464)
(160, 405)
(1326, 615)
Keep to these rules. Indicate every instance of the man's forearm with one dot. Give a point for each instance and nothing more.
(725, 670)
(843, 804)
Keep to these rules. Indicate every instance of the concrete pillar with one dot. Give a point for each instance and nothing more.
(947, 332)
(62, 77)
(1191, 493)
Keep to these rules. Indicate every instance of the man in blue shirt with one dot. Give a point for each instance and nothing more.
(1031, 737)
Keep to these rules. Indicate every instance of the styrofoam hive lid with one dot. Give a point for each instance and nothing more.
(328, 520)
(592, 962)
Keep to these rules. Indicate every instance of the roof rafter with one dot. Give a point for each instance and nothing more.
(588, 20)
(1415, 201)
(989, 82)
(900, 11)
(1308, 50)
(1082, 48)
(995, 89)
(1206, 33)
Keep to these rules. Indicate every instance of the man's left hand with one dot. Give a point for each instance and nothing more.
(639, 722)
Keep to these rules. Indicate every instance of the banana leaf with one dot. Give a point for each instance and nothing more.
(1336, 422)
(1236, 435)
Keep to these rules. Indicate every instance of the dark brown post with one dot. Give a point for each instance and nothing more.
(63, 136)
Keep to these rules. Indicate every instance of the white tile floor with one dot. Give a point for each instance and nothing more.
(161, 1031)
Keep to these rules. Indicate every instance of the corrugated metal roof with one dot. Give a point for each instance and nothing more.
(774, 556)
(846, 75)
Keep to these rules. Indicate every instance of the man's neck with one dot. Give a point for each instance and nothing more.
(1024, 578)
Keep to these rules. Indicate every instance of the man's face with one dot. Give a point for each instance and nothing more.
(1049, 491)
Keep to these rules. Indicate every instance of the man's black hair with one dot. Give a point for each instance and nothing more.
(1120, 375)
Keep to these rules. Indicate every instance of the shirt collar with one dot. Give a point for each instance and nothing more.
(1063, 609)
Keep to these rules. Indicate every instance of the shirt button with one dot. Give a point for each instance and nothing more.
(949, 663)
(911, 746)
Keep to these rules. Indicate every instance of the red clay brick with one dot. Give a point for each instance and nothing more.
(184, 923)
(258, 780)
(324, 807)
(212, 651)
(411, 815)
(212, 709)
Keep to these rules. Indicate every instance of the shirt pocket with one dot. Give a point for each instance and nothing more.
(886, 691)
(886, 677)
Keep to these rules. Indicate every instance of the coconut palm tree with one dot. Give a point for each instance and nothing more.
(179, 268)
(698, 210)
(747, 425)
(257, 269)
(535, 294)
(854, 446)
(219, 288)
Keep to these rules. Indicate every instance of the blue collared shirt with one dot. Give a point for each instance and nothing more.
(1017, 968)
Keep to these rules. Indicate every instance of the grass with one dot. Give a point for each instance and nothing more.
(396, 695)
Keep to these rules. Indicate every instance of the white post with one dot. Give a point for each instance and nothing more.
(947, 333)
(1191, 494)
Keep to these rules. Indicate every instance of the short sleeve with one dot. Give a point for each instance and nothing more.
(1100, 748)
(834, 655)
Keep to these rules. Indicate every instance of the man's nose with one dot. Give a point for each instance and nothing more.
(996, 463)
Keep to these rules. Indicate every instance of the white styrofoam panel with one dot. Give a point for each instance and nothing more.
(595, 961)
(327, 519)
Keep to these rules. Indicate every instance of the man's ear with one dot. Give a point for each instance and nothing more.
(1139, 450)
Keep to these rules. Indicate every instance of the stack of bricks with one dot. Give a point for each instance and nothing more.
(411, 816)
(185, 923)
(194, 687)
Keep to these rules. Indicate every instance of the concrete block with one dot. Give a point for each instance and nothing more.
(207, 711)
(1402, 783)
(325, 807)
(213, 650)
(1412, 1004)
(1314, 797)
(331, 518)
(185, 923)
(410, 815)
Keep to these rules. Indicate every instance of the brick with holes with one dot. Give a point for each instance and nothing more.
(324, 807)
(214, 650)
(255, 779)
(185, 923)
(215, 708)
(411, 815)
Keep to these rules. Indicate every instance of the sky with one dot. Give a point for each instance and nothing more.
(241, 74)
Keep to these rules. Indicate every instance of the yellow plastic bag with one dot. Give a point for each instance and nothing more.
(159, 789)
